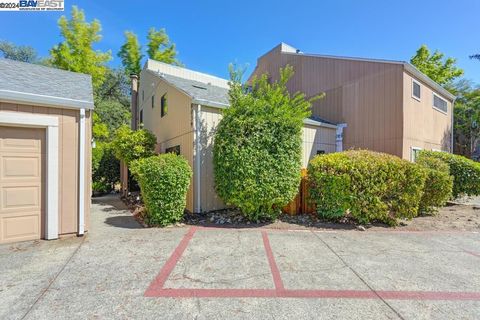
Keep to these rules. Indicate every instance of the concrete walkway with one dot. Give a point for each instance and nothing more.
(120, 270)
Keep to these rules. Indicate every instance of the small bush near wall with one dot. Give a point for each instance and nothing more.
(465, 172)
(164, 181)
(130, 145)
(438, 184)
(367, 185)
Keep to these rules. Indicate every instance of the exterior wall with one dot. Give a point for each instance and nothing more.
(68, 162)
(424, 126)
(365, 95)
(176, 127)
(316, 139)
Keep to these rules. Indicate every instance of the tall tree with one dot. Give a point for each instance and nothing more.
(160, 48)
(131, 54)
(467, 118)
(440, 69)
(76, 52)
(19, 53)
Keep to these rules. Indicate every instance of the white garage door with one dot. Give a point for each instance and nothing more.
(21, 184)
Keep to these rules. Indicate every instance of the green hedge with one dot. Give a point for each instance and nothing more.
(438, 185)
(164, 182)
(369, 186)
(130, 145)
(465, 172)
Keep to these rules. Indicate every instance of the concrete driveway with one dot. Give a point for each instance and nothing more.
(120, 270)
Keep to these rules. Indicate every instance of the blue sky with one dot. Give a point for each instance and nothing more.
(211, 34)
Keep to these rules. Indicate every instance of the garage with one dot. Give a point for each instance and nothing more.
(45, 135)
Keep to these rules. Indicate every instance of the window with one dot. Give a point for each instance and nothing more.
(439, 103)
(416, 90)
(175, 150)
(163, 105)
(153, 101)
(141, 116)
(143, 95)
(320, 151)
(414, 154)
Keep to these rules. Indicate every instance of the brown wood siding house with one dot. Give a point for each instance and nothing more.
(374, 98)
(45, 152)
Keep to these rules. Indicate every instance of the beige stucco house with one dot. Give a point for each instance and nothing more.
(182, 108)
(45, 134)
(388, 106)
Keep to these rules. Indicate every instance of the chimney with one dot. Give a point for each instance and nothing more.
(134, 101)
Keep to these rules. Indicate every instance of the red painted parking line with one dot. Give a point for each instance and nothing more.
(171, 262)
(156, 288)
(472, 253)
(277, 279)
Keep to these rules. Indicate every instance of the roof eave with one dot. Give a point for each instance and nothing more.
(421, 76)
(44, 100)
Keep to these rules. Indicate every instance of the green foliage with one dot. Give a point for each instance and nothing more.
(164, 182)
(465, 172)
(105, 166)
(442, 71)
(131, 145)
(100, 186)
(466, 118)
(376, 186)
(19, 53)
(99, 130)
(113, 114)
(438, 185)
(76, 52)
(131, 54)
(159, 47)
(115, 87)
(257, 149)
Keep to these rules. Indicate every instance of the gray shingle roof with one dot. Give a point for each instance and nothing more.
(200, 92)
(31, 79)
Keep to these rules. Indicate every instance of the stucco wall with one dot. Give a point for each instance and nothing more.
(68, 162)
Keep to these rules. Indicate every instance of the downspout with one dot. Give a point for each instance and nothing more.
(82, 177)
(198, 161)
(452, 126)
(339, 137)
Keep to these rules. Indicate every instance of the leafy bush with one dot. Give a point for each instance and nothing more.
(130, 145)
(164, 182)
(257, 148)
(100, 186)
(105, 166)
(465, 172)
(438, 185)
(369, 186)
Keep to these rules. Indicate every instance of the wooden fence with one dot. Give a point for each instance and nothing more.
(300, 204)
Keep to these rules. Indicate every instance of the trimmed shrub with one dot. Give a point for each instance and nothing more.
(257, 148)
(105, 166)
(465, 172)
(164, 182)
(130, 145)
(438, 184)
(369, 186)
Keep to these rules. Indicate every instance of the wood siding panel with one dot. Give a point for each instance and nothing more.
(365, 95)
(67, 163)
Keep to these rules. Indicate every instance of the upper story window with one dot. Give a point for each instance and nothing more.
(153, 101)
(416, 90)
(163, 105)
(141, 116)
(143, 95)
(439, 103)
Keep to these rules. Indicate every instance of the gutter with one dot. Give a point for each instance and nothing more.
(81, 173)
(44, 100)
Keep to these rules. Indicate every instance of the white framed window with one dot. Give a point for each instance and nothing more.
(440, 104)
(416, 90)
(415, 151)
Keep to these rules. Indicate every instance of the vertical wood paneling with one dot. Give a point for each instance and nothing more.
(67, 162)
